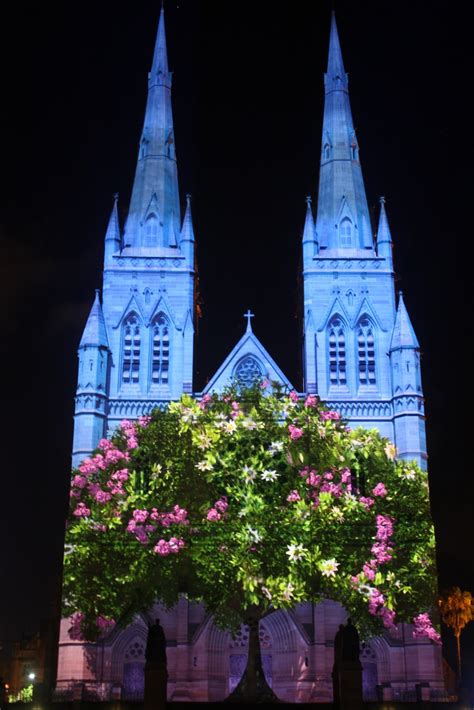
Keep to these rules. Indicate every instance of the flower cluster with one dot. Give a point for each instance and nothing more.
(424, 628)
(217, 512)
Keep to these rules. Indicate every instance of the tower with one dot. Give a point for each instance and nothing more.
(137, 349)
(353, 333)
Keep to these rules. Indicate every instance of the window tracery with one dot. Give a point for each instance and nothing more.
(337, 353)
(131, 350)
(366, 352)
(160, 358)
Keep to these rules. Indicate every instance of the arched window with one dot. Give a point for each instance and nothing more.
(345, 232)
(160, 356)
(131, 350)
(248, 371)
(337, 353)
(151, 228)
(366, 352)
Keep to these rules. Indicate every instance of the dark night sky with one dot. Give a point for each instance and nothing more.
(247, 97)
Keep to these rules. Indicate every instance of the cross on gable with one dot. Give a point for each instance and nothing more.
(249, 315)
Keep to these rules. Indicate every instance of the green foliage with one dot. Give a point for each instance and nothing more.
(280, 500)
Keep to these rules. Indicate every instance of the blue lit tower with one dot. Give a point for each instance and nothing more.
(360, 353)
(137, 349)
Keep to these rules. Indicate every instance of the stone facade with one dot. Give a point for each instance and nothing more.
(360, 355)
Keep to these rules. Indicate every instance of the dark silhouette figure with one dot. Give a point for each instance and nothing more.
(156, 674)
(155, 651)
(347, 670)
(350, 642)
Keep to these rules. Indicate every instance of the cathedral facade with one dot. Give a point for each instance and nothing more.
(360, 355)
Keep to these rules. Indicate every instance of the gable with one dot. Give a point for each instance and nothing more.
(247, 360)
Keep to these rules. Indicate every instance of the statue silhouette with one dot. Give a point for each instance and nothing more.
(155, 651)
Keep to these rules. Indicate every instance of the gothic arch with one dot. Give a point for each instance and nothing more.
(131, 349)
(248, 370)
(160, 349)
(365, 337)
(336, 335)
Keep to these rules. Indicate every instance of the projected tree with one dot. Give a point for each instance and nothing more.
(250, 502)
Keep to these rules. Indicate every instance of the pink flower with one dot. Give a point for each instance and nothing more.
(346, 475)
(331, 414)
(380, 490)
(105, 445)
(264, 384)
(103, 496)
(295, 432)
(355, 581)
(293, 497)
(213, 515)
(369, 572)
(162, 548)
(381, 552)
(81, 511)
(105, 624)
(384, 528)
(424, 628)
(204, 401)
(388, 617)
(367, 502)
(176, 544)
(221, 505)
(293, 396)
(311, 401)
(144, 421)
(140, 516)
(328, 476)
(376, 600)
(313, 479)
(79, 481)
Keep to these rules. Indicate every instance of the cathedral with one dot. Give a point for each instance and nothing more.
(360, 355)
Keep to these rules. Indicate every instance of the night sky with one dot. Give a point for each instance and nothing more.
(248, 105)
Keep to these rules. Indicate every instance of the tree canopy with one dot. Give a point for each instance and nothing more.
(253, 500)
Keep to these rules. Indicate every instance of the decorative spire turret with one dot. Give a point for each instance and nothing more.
(95, 332)
(310, 245)
(403, 336)
(113, 240)
(384, 237)
(154, 217)
(342, 220)
(187, 233)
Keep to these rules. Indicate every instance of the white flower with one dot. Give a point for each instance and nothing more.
(275, 447)
(249, 424)
(295, 552)
(390, 451)
(321, 431)
(204, 441)
(288, 592)
(338, 514)
(269, 475)
(188, 415)
(410, 474)
(249, 474)
(156, 468)
(229, 427)
(220, 416)
(254, 535)
(267, 593)
(204, 466)
(328, 567)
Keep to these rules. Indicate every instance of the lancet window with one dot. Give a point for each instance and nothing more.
(160, 358)
(337, 353)
(151, 227)
(131, 350)
(366, 352)
(345, 232)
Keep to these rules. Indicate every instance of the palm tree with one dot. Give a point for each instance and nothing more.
(457, 610)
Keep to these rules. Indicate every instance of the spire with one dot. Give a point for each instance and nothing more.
(342, 221)
(310, 245)
(384, 238)
(160, 56)
(403, 336)
(95, 333)
(336, 72)
(112, 235)
(154, 217)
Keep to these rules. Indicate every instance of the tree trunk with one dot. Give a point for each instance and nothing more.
(458, 648)
(253, 687)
